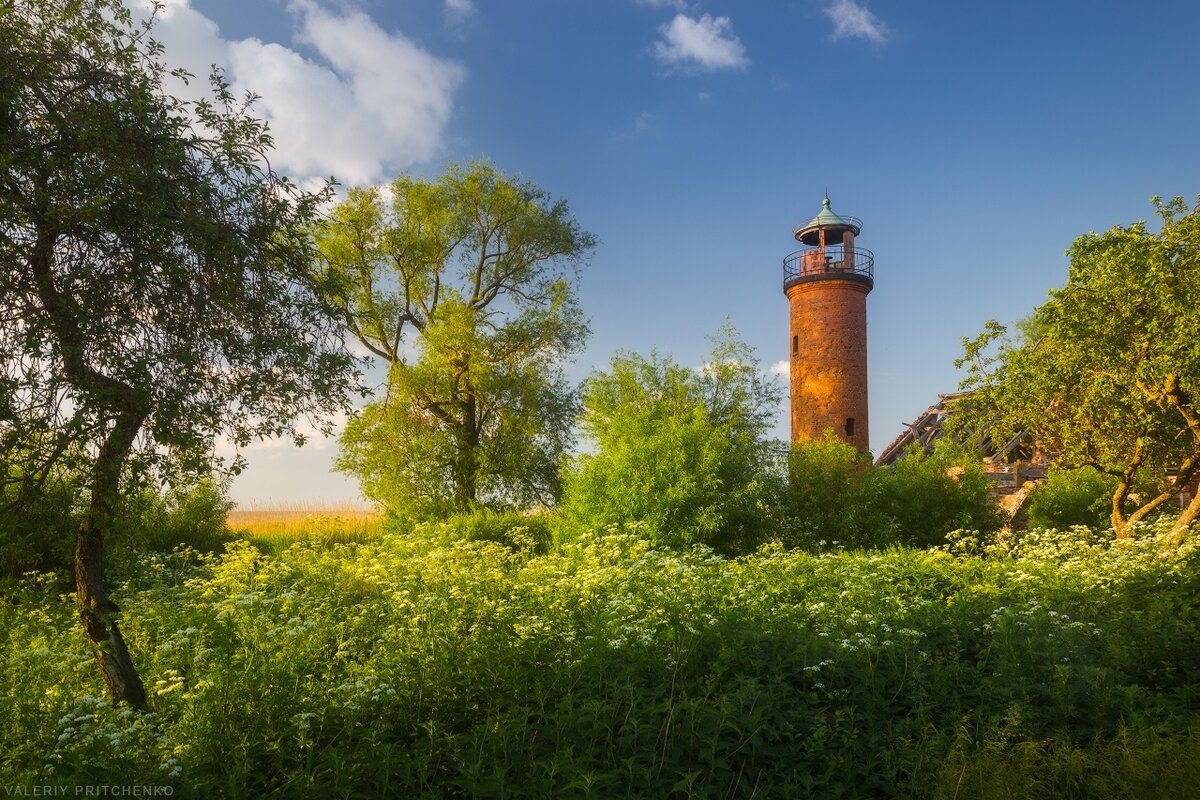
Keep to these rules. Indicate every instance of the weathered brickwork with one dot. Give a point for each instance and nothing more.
(828, 340)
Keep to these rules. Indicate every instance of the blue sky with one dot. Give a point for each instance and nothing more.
(974, 140)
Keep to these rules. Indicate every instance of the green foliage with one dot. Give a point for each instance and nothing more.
(157, 279)
(683, 456)
(1107, 373)
(519, 532)
(154, 269)
(927, 496)
(36, 528)
(193, 515)
(1072, 497)
(414, 667)
(464, 286)
(837, 498)
(683, 452)
(35, 534)
(1136, 763)
(834, 497)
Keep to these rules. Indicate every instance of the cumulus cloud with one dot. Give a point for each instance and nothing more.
(703, 45)
(851, 19)
(365, 103)
(781, 369)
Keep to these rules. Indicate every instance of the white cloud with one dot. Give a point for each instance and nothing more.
(458, 11)
(781, 368)
(315, 440)
(851, 19)
(366, 103)
(703, 44)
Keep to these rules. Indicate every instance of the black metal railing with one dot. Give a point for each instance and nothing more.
(835, 261)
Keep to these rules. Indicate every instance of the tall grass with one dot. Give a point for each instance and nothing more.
(274, 528)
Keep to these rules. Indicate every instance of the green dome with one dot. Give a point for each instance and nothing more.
(833, 224)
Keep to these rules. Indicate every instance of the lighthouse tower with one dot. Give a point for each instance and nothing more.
(826, 284)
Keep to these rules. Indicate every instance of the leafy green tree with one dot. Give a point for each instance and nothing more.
(685, 451)
(1107, 373)
(465, 287)
(156, 274)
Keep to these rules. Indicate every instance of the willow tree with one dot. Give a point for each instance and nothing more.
(156, 275)
(465, 287)
(1106, 373)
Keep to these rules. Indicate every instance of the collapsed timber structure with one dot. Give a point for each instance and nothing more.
(1008, 462)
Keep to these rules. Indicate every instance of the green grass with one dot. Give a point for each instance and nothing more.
(1063, 665)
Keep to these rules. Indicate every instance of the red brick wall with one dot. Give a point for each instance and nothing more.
(829, 363)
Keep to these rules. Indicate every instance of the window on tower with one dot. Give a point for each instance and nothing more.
(795, 345)
(849, 426)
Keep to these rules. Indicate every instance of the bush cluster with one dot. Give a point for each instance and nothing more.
(835, 495)
(1072, 497)
(682, 452)
(686, 455)
(1059, 664)
(37, 529)
(38, 532)
(153, 520)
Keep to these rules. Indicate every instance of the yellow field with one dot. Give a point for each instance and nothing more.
(277, 527)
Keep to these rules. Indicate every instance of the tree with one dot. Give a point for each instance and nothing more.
(465, 287)
(157, 280)
(685, 451)
(1106, 373)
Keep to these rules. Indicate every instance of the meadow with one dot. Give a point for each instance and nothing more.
(382, 663)
(272, 528)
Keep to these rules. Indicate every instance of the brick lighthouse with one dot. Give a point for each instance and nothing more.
(826, 284)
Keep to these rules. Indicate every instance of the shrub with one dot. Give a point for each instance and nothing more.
(150, 520)
(683, 452)
(520, 532)
(1072, 497)
(927, 496)
(834, 494)
(833, 497)
(37, 533)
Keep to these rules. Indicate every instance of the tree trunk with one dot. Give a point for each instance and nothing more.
(1180, 530)
(466, 472)
(129, 408)
(99, 616)
(97, 612)
(1122, 526)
